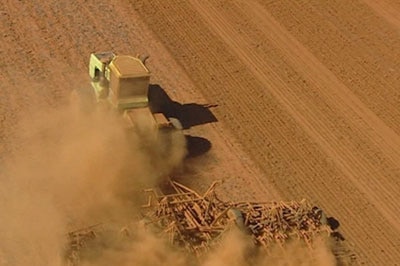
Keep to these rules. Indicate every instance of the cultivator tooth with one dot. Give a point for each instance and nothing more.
(77, 240)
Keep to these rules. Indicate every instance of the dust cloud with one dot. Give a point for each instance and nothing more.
(237, 249)
(71, 169)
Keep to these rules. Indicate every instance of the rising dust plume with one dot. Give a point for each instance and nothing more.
(69, 169)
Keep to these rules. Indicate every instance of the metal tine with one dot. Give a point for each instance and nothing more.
(150, 197)
(180, 187)
(179, 201)
(211, 188)
(219, 216)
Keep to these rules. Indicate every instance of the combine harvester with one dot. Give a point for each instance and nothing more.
(194, 222)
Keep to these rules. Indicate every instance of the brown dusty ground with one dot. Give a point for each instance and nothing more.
(307, 93)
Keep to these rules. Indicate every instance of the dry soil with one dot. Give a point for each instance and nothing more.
(305, 93)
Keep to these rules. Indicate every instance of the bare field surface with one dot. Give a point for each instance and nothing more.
(306, 96)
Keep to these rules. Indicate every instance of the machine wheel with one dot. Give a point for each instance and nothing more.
(176, 123)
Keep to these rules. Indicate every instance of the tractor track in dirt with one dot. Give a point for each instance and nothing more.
(360, 141)
(317, 125)
(307, 93)
(386, 9)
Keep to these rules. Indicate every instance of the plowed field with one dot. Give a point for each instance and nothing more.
(306, 93)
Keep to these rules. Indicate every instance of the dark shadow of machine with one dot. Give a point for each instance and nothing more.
(190, 114)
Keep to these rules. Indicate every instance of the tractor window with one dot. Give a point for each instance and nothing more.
(133, 87)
